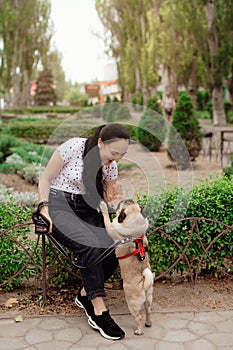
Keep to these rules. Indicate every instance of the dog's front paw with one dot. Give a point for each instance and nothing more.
(103, 207)
(138, 332)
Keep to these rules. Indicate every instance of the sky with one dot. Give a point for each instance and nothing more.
(75, 22)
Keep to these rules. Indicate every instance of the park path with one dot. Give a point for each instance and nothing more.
(192, 330)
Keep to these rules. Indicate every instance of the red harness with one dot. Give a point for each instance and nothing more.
(139, 251)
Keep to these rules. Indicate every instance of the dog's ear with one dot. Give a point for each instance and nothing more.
(143, 212)
(121, 216)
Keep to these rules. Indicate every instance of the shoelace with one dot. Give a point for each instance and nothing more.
(109, 321)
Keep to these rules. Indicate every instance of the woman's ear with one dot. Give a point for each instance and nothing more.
(100, 142)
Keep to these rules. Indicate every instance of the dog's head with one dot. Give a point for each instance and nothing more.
(130, 219)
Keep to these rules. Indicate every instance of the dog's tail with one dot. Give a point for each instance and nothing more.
(148, 278)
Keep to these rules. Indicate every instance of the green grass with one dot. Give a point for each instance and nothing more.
(122, 166)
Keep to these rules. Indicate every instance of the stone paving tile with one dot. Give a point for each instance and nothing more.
(54, 345)
(168, 346)
(200, 344)
(35, 336)
(221, 338)
(225, 326)
(170, 331)
(201, 328)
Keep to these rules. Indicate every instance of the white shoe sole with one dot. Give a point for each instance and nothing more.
(94, 325)
(77, 302)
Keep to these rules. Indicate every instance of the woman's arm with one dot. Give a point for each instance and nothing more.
(53, 167)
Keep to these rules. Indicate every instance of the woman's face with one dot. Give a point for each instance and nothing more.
(112, 151)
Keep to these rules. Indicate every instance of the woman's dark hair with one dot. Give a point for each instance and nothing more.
(92, 172)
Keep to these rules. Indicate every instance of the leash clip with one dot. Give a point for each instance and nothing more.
(126, 239)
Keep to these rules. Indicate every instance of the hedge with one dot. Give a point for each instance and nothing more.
(212, 200)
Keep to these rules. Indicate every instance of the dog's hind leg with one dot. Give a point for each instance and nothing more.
(147, 306)
(149, 295)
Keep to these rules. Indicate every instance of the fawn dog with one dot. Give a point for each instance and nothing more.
(133, 258)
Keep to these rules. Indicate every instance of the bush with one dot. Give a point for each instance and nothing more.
(228, 107)
(212, 200)
(30, 173)
(203, 98)
(203, 115)
(37, 131)
(26, 160)
(228, 170)
(22, 199)
(151, 130)
(152, 103)
(6, 143)
(54, 131)
(122, 113)
(185, 131)
(43, 109)
(13, 257)
(115, 112)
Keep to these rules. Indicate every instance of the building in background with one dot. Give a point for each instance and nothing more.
(98, 92)
(93, 93)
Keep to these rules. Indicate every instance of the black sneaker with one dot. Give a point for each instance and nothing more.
(84, 303)
(106, 325)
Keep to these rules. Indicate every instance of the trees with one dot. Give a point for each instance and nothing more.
(184, 134)
(185, 42)
(219, 17)
(25, 36)
(151, 130)
(126, 24)
(45, 89)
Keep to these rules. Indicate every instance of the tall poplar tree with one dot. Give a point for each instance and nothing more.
(25, 34)
(219, 17)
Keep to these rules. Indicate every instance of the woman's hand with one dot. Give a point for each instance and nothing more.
(44, 211)
(112, 191)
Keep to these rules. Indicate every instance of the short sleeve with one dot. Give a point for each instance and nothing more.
(110, 172)
(72, 148)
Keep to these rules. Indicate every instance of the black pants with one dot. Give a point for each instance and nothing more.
(80, 228)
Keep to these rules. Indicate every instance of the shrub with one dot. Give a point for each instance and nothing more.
(151, 130)
(211, 200)
(203, 98)
(22, 199)
(11, 168)
(141, 100)
(43, 109)
(185, 131)
(228, 107)
(122, 113)
(41, 131)
(23, 151)
(134, 99)
(228, 170)
(6, 143)
(115, 112)
(31, 173)
(12, 256)
(27, 160)
(152, 103)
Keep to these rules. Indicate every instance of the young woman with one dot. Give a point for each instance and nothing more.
(81, 173)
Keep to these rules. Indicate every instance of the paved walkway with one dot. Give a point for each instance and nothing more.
(170, 331)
